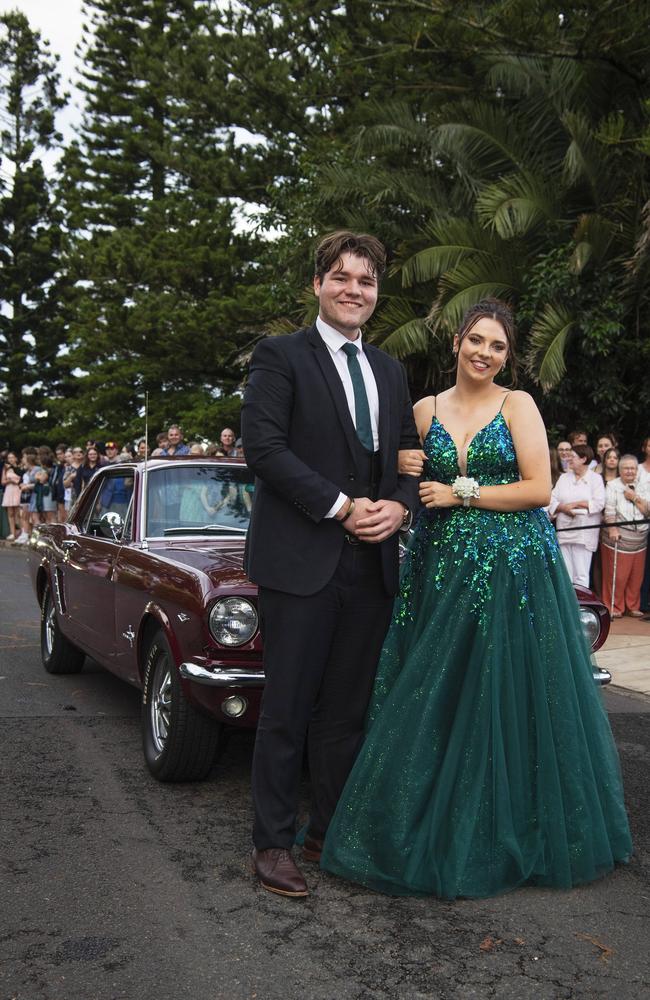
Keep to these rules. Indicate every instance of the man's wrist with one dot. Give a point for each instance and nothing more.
(345, 510)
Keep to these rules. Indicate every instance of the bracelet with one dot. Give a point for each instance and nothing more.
(349, 511)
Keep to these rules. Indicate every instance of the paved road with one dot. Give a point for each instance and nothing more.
(114, 886)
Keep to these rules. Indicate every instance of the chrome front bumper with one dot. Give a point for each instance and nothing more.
(224, 678)
(601, 675)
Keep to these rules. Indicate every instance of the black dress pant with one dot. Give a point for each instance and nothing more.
(320, 658)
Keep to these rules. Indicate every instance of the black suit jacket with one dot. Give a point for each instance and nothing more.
(299, 440)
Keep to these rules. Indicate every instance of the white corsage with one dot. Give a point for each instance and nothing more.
(465, 489)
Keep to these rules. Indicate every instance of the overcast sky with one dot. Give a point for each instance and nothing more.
(59, 22)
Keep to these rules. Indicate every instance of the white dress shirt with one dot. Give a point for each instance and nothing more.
(334, 341)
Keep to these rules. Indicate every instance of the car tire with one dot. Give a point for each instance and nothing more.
(58, 654)
(179, 742)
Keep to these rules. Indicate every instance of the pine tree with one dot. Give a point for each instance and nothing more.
(30, 234)
(166, 291)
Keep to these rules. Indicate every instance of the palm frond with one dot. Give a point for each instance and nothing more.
(486, 141)
(548, 337)
(585, 157)
(516, 204)
(455, 239)
(593, 235)
(408, 339)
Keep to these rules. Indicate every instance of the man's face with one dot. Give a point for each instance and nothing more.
(347, 294)
(227, 438)
(111, 451)
(174, 436)
(580, 439)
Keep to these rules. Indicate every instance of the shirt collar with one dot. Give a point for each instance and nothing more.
(334, 339)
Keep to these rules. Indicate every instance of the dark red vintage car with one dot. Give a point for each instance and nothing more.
(146, 578)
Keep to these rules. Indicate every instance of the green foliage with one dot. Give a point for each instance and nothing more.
(30, 329)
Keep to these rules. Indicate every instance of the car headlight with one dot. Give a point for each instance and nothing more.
(590, 623)
(233, 621)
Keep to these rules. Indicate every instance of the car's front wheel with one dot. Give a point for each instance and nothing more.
(59, 656)
(180, 744)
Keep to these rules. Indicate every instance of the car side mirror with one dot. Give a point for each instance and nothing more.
(112, 524)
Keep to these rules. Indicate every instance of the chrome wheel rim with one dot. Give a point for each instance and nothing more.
(161, 705)
(50, 626)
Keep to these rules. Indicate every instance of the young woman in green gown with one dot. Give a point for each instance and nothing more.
(488, 761)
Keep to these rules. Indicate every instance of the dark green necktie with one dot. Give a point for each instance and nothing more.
(361, 407)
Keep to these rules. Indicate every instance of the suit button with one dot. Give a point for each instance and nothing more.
(351, 478)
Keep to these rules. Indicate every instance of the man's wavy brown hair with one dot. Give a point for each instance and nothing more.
(330, 248)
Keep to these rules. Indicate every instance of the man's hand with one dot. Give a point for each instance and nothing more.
(614, 534)
(438, 495)
(411, 461)
(375, 522)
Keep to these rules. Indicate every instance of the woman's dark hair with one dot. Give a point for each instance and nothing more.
(603, 461)
(584, 451)
(643, 445)
(342, 241)
(501, 313)
(556, 468)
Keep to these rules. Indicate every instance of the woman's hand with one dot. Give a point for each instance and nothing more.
(614, 534)
(438, 495)
(411, 462)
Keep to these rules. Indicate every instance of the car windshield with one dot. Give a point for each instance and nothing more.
(201, 499)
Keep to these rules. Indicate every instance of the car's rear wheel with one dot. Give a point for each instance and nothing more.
(180, 743)
(58, 654)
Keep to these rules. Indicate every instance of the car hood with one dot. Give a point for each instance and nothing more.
(221, 561)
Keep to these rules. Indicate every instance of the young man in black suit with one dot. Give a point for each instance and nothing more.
(323, 419)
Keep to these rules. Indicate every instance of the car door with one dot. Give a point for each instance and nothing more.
(89, 562)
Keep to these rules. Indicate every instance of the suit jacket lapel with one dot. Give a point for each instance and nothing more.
(383, 391)
(335, 385)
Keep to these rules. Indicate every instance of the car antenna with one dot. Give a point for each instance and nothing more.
(145, 491)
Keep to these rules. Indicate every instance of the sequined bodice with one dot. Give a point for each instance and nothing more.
(491, 458)
(474, 540)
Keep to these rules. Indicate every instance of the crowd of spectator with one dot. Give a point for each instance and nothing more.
(40, 484)
(600, 505)
(592, 494)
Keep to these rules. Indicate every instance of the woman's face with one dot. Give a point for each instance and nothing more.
(78, 455)
(68, 456)
(578, 464)
(12, 458)
(604, 443)
(646, 449)
(92, 455)
(483, 351)
(610, 459)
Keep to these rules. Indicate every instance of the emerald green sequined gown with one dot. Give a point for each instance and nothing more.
(488, 761)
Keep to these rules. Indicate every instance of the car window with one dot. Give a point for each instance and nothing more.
(107, 511)
(199, 496)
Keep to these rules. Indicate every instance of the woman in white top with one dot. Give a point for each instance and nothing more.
(577, 500)
(627, 499)
(644, 463)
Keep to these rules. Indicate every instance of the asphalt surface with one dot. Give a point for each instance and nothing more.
(115, 886)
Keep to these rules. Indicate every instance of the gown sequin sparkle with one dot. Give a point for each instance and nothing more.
(488, 761)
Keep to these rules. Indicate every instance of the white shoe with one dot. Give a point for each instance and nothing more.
(23, 537)
(9, 538)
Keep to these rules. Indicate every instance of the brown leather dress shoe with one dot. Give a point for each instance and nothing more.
(278, 872)
(312, 848)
